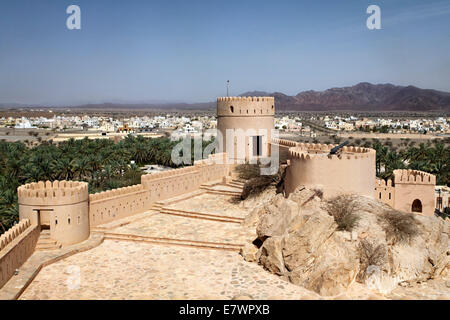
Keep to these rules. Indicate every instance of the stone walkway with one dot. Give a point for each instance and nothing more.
(210, 204)
(183, 228)
(128, 270)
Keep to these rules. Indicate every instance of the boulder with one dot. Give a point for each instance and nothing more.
(249, 252)
(270, 255)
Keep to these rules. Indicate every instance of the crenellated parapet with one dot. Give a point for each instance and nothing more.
(14, 232)
(403, 176)
(381, 183)
(245, 106)
(53, 193)
(309, 151)
(116, 193)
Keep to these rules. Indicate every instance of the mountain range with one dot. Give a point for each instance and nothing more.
(361, 97)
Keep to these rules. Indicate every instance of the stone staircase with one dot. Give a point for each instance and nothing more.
(46, 243)
(171, 241)
(199, 215)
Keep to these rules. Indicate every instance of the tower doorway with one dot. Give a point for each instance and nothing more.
(43, 218)
(416, 206)
(257, 146)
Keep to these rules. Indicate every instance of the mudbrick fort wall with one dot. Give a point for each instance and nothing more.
(66, 211)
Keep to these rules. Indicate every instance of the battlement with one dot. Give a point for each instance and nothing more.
(285, 143)
(413, 177)
(245, 106)
(256, 99)
(116, 193)
(13, 233)
(53, 193)
(381, 183)
(306, 151)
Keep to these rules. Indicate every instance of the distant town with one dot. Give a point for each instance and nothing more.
(60, 127)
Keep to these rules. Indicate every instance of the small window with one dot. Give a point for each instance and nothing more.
(68, 220)
(389, 196)
(232, 109)
(380, 195)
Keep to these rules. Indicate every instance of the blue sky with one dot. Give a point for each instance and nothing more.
(174, 50)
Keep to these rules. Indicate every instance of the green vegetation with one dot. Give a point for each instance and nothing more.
(432, 158)
(102, 163)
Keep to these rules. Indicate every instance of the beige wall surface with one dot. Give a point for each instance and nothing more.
(16, 246)
(116, 204)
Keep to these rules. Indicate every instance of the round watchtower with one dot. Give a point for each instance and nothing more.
(311, 165)
(61, 206)
(245, 124)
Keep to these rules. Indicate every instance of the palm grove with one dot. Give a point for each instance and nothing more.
(102, 163)
(107, 165)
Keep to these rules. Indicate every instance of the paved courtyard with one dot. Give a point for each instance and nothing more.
(130, 270)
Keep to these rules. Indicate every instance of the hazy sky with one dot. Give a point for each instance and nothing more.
(186, 50)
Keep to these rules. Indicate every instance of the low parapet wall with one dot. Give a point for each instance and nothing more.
(115, 204)
(16, 246)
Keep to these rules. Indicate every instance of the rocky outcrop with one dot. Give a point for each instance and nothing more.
(299, 240)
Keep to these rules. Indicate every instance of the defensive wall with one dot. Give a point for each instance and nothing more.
(119, 203)
(245, 114)
(16, 246)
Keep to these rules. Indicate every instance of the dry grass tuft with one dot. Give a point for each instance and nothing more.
(342, 208)
(370, 255)
(399, 227)
(248, 171)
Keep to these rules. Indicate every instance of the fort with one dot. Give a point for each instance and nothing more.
(62, 214)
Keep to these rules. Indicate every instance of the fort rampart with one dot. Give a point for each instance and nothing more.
(119, 203)
(16, 246)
